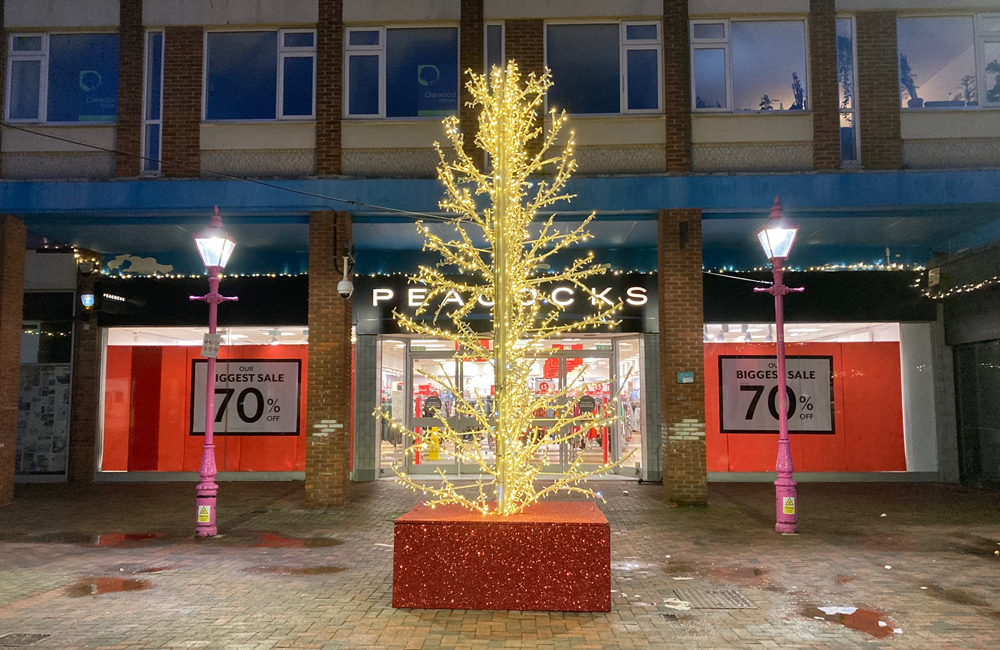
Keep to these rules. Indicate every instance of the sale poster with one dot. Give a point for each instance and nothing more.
(252, 397)
(748, 394)
(43, 420)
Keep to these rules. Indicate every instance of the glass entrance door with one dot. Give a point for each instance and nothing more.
(431, 380)
(589, 376)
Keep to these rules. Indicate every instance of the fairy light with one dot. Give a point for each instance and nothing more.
(504, 272)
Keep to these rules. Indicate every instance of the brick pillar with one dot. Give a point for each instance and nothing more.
(130, 72)
(682, 406)
(878, 91)
(524, 41)
(183, 48)
(86, 392)
(329, 87)
(471, 58)
(824, 95)
(12, 243)
(328, 402)
(677, 84)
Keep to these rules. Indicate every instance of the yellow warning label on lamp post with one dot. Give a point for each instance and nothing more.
(789, 506)
(205, 514)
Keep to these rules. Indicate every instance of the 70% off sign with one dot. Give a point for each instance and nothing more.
(252, 398)
(748, 394)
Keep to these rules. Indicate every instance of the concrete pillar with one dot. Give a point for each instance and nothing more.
(366, 399)
(12, 243)
(328, 397)
(652, 456)
(682, 405)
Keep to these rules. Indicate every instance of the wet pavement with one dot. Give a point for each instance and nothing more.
(876, 566)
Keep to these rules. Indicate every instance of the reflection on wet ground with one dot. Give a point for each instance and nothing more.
(256, 538)
(96, 586)
(270, 540)
(869, 621)
(296, 570)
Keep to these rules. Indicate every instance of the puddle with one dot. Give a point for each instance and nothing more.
(862, 620)
(270, 540)
(95, 586)
(957, 596)
(297, 570)
(119, 540)
(113, 540)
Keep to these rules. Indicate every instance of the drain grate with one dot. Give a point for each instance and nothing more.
(715, 598)
(14, 640)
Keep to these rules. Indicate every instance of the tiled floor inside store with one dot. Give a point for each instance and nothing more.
(114, 566)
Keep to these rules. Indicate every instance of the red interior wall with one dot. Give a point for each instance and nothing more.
(868, 414)
(148, 413)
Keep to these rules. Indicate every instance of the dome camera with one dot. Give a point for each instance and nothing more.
(345, 288)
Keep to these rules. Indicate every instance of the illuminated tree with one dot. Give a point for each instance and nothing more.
(496, 258)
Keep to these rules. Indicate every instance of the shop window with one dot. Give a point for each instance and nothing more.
(260, 75)
(604, 68)
(153, 104)
(62, 78)
(402, 72)
(846, 75)
(748, 65)
(494, 50)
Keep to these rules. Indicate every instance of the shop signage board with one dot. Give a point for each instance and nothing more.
(252, 397)
(748, 394)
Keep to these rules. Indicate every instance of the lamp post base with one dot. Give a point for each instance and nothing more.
(786, 502)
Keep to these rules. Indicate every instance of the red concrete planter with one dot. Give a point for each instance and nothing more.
(554, 557)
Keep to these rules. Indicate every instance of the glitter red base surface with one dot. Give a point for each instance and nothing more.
(553, 557)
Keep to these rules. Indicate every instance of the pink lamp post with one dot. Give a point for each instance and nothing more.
(215, 246)
(777, 237)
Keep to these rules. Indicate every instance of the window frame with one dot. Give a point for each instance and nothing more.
(43, 82)
(380, 50)
(725, 43)
(146, 121)
(647, 44)
(981, 39)
(853, 110)
(280, 82)
(503, 42)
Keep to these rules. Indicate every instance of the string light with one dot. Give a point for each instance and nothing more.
(504, 273)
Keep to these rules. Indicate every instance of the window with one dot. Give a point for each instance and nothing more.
(748, 65)
(604, 68)
(846, 75)
(65, 78)
(960, 70)
(260, 75)
(402, 72)
(494, 50)
(152, 104)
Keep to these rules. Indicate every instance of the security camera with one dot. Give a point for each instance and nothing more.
(345, 288)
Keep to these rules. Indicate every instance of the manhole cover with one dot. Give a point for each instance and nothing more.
(14, 640)
(715, 598)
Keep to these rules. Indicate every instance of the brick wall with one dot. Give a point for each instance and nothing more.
(677, 85)
(524, 41)
(3, 84)
(682, 406)
(130, 73)
(824, 96)
(182, 69)
(329, 87)
(12, 242)
(328, 402)
(86, 389)
(878, 91)
(471, 58)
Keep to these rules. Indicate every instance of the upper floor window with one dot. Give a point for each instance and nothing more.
(846, 75)
(748, 65)
(493, 52)
(262, 75)
(949, 61)
(62, 78)
(152, 104)
(604, 68)
(402, 72)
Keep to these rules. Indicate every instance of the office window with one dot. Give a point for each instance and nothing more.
(262, 75)
(153, 104)
(604, 68)
(402, 72)
(494, 50)
(62, 78)
(849, 150)
(748, 65)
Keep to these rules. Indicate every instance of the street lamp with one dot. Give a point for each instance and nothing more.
(777, 237)
(215, 246)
